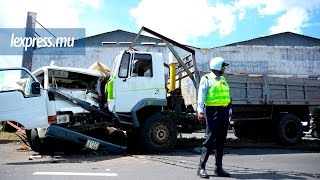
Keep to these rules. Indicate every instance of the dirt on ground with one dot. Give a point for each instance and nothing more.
(13, 136)
(17, 137)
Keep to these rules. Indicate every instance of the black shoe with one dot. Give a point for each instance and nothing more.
(202, 173)
(220, 172)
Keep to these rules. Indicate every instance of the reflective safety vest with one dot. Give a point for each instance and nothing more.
(219, 93)
(109, 88)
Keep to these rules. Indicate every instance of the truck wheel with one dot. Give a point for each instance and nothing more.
(290, 130)
(158, 133)
(315, 134)
(35, 142)
(242, 129)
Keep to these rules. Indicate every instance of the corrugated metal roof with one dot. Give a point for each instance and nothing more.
(116, 36)
(281, 39)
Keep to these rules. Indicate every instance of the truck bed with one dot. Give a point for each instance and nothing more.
(263, 89)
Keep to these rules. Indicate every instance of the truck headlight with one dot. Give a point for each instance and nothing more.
(63, 119)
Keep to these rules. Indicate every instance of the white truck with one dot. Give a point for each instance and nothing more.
(72, 103)
(31, 99)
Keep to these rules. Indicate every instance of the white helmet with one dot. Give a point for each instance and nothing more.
(217, 63)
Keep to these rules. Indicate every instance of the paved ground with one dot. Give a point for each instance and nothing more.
(230, 135)
(243, 163)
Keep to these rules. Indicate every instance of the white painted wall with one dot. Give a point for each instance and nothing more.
(265, 59)
(242, 59)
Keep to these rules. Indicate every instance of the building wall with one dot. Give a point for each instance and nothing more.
(93, 54)
(272, 60)
(104, 55)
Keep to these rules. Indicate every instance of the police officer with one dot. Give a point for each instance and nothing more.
(214, 108)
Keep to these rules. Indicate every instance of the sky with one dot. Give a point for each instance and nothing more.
(198, 23)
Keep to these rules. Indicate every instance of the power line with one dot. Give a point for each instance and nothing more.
(44, 28)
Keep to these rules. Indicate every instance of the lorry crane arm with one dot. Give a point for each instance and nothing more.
(168, 42)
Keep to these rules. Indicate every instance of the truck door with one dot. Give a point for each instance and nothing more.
(138, 79)
(22, 99)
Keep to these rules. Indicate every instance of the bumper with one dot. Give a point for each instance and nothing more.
(75, 137)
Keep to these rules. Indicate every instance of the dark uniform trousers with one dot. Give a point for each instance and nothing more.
(217, 121)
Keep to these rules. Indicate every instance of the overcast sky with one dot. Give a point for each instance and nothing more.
(199, 23)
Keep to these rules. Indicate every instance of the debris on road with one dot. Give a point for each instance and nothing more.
(32, 156)
(24, 148)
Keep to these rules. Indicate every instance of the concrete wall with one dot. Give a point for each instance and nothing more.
(243, 59)
(265, 59)
(93, 54)
(104, 55)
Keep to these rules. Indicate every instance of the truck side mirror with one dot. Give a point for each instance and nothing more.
(35, 88)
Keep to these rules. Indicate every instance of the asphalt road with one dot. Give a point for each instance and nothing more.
(200, 135)
(254, 163)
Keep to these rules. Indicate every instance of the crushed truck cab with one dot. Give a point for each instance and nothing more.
(38, 102)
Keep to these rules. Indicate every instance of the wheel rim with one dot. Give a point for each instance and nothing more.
(160, 134)
(291, 130)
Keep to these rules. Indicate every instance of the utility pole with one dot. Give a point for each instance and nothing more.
(30, 29)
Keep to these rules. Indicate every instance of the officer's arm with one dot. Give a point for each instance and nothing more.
(203, 87)
(230, 109)
(202, 94)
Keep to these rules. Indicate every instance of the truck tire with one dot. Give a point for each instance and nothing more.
(315, 134)
(35, 143)
(242, 129)
(158, 133)
(289, 129)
